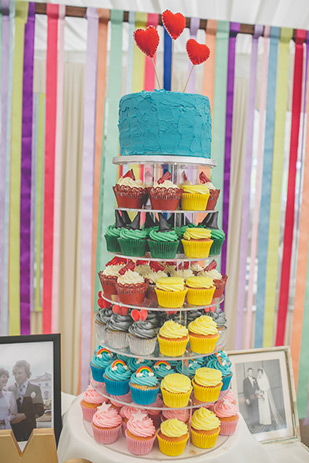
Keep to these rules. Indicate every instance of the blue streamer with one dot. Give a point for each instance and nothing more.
(266, 190)
(167, 77)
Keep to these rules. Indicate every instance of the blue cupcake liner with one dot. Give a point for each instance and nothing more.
(226, 381)
(116, 387)
(97, 373)
(144, 396)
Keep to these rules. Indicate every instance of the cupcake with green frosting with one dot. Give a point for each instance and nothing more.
(217, 235)
(113, 233)
(132, 240)
(164, 242)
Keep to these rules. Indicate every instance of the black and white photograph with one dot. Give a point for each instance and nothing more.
(262, 386)
(29, 383)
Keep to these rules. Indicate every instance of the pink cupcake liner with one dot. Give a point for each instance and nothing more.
(88, 412)
(140, 447)
(127, 398)
(100, 387)
(227, 428)
(106, 435)
(124, 428)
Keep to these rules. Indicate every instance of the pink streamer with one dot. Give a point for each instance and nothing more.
(149, 83)
(194, 27)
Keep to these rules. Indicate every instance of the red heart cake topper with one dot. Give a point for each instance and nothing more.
(136, 315)
(166, 176)
(147, 40)
(116, 261)
(204, 178)
(173, 23)
(211, 266)
(156, 266)
(197, 52)
(129, 266)
(184, 176)
(101, 301)
(120, 310)
(130, 174)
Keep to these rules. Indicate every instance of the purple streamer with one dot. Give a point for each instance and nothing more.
(26, 161)
(234, 29)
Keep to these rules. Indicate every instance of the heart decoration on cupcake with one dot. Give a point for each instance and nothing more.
(173, 23)
(130, 266)
(120, 310)
(156, 266)
(166, 176)
(203, 178)
(211, 266)
(116, 261)
(198, 52)
(129, 174)
(136, 315)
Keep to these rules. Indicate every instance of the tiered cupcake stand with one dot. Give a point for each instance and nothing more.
(154, 167)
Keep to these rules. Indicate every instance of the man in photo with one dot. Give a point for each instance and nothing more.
(29, 401)
(250, 388)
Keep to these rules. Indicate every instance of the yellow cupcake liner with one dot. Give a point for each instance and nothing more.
(194, 202)
(200, 296)
(204, 441)
(172, 448)
(206, 394)
(172, 347)
(174, 399)
(197, 249)
(171, 299)
(203, 345)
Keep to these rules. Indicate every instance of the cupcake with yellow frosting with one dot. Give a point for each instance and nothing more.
(197, 242)
(173, 339)
(205, 428)
(207, 384)
(194, 197)
(172, 437)
(176, 390)
(171, 292)
(203, 335)
(200, 290)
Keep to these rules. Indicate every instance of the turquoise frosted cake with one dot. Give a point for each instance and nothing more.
(162, 122)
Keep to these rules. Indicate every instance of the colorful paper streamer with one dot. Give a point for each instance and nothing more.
(139, 56)
(150, 78)
(167, 61)
(194, 27)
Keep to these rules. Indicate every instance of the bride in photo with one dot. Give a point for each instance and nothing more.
(267, 407)
(8, 406)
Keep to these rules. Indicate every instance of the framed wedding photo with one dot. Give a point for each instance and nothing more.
(264, 389)
(30, 386)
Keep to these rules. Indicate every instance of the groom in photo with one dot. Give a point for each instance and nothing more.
(29, 401)
(250, 388)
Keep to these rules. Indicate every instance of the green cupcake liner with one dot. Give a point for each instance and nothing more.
(163, 249)
(216, 247)
(132, 248)
(180, 248)
(112, 243)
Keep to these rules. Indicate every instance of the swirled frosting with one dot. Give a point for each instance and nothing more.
(163, 236)
(127, 411)
(112, 271)
(207, 377)
(199, 282)
(203, 325)
(195, 267)
(143, 329)
(204, 420)
(214, 274)
(173, 428)
(144, 378)
(196, 189)
(197, 234)
(119, 322)
(92, 397)
(224, 408)
(176, 383)
(166, 184)
(118, 373)
(128, 234)
(153, 277)
(192, 315)
(217, 234)
(173, 330)
(103, 359)
(128, 181)
(184, 273)
(141, 428)
(218, 316)
(106, 418)
(161, 369)
(182, 414)
(171, 284)
(190, 369)
(130, 278)
(104, 315)
(142, 269)
(134, 363)
(220, 361)
(113, 231)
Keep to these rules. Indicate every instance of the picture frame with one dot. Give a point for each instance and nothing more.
(31, 383)
(267, 400)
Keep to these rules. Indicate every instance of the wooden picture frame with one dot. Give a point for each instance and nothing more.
(43, 382)
(267, 400)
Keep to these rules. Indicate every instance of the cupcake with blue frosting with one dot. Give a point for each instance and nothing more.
(117, 378)
(100, 360)
(134, 363)
(220, 361)
(189, 369)
(144, 386)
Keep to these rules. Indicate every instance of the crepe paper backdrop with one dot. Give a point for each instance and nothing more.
(167, 61)
(266, 187)
(258, 188)
(139, 56)
(209, 66)
(245, 219)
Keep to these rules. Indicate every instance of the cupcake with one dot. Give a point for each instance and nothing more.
(182, 414)
(171, 292)
(176, 390)
(155, 411)
(134, 363)
(162, 368)
(188, 367)
(227, 413)
(130, 193)
(219, 317)
(219, 281)
(144, 386)
(203, 335)
(108, 277)
(207, 384)
(220, 361)
(164, 194)
(183, 271)
(90, 402)
(205, 428)
(142, 267)
(117, 378)
(117, 330)
(200, 290)
(101, 320)
(169, 267)
(213, 192)
(131, 286)
(126, 413)
(142, 335)
(113, 232)
(217, 235)
(140, 434)
(197, 242)
(173, 339)
(156, 271)
(132, 240)
(172, 437)
(106, 424)
(193, 315)
(194, 197)
(100, 360)
(119, 401)
(196, 268)
(164, 242)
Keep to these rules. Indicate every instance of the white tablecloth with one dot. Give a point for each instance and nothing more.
(75, 442)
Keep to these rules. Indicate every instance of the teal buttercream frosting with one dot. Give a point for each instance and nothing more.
(190, 369)
(103, 360)
(119, 374)
(220, 361)
(143, 379)
(134, 363)
(163, 370)
(113, 231)
(163, 236)
(163, 122)
(133, 234)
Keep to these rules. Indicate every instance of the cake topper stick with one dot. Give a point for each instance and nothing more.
(198, 53)
(174, 25)
(147, 41)
(188, 78)
(155, 70)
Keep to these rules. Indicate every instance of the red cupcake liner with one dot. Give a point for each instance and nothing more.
(219, 285)
(132, 294)
(166, 199)
(108, 284)
(212, 200)
(132, 198)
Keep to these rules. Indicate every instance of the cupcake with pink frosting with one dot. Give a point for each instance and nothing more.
(155, 411)
(227, 412)
(106, 424)
(182, 414)
(140, 434)
(90, 402)
(126, 413)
